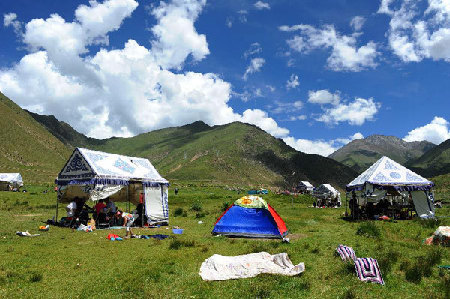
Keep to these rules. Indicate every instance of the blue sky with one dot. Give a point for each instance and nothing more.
(314, 73)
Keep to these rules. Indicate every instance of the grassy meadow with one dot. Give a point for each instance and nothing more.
(62, 263)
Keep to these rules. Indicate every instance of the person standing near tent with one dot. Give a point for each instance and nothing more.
(128, 220)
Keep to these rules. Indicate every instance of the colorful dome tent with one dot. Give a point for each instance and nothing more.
(95, 175)
(8, 180)
(250, 216)
(387, 180)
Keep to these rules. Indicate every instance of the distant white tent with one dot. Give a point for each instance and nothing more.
(385, 177)
(305, 187)
(10, 179)
(327, 192)
(95, 175)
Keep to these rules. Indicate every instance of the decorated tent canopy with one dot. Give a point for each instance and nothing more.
(97, 175)
(387, 179)
(386, 173)
(10, 179)
(250, 216)
(305, 186)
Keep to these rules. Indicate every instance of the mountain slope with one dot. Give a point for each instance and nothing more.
(232, 153)
(361, 153)
(434, 162)
(235, 153)
(27, 147)
(63, 131)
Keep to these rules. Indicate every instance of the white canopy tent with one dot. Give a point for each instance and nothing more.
(327, 192)
(386, 178)
(95, 175)
(10, 179)
(305, 187)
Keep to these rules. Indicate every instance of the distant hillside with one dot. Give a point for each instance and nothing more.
(235, 153)
(361, 153)
(63, 131)
(27, 147)
(434, 162)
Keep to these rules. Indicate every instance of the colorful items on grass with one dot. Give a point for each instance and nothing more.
(367, 269)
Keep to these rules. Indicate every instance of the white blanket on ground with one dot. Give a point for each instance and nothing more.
(219, 267)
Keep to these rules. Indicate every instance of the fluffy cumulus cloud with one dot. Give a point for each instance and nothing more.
(320, 147)
(255, 66)
(261, 5)
(418, 29)
(436, 132)
(345, 54)
(292, 82)
(323, 97)
(355, 113)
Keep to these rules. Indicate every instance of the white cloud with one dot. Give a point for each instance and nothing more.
(176, 36)
(292, 82)
(229, 22)
(255, 66)
(242, 15)
(255, 48)
(297, 117)
(357, 22)
(285, 107)
(323, 97)
(10, 19)
(261, 5)
(355, 113)
(262, 120)
(345, 54)
(320, 147)
(436, 132)
(415, 34)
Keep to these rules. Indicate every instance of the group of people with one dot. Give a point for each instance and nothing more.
(104, 213)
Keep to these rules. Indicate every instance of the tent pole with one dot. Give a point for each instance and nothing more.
(128, 197)
(56, 216)
(143, 207)
(346, 203)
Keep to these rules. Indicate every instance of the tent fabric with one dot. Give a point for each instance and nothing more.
(12, 178)
(422, 203)
(95, 167)
(219, 267)
(325, 191)
(387, 172)
(156, 204)
(242, 221)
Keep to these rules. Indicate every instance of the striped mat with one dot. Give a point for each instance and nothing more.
(346, 253)
(367, 270)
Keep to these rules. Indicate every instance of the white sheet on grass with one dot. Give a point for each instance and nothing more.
(219, 267)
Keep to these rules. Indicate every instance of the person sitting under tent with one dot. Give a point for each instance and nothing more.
(111, 208)
(100, 211)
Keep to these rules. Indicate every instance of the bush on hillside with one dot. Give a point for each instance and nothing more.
(178, 212)
(368, 229)
(196, 206)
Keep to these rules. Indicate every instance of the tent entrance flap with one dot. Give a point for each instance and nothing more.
(156, 203)
(423, 205)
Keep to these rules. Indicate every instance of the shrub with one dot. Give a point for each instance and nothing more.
(429, 223)
(225, 206)
(200, 215)
(178, 212)
(196, 206)
(177, 244)
(349, 294)
(368, 229)
(414, 273)
(388, 260)
(35, 277)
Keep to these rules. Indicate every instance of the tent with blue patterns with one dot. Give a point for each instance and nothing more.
(250, 216)
(386, 177)
(94, 175)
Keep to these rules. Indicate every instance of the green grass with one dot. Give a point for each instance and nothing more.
(62, 263)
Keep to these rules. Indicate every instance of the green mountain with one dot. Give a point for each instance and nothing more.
(27, 147)
(434, 162)
(235, 153)
(361, 153)
(63, 131)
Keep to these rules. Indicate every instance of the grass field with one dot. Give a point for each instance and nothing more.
(61, 263)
